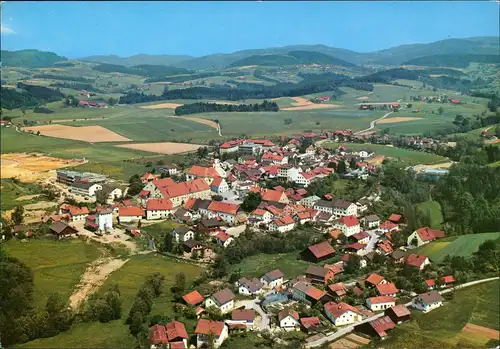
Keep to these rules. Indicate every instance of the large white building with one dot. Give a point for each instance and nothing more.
(349, 225)
(207, 328)
(342, 313)
(427, 301)
(380, 303)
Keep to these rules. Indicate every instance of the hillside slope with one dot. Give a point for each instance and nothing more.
(30, 59)
(138, 59)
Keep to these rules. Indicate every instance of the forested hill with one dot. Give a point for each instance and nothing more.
(457, 61)
(30, 59)
(291, 58)
(151, 71)
(138, 59)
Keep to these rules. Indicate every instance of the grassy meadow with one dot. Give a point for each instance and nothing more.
(258, 265)
(57, 265)
(464, 245)
(442, 327)
(11, 191)
(433, 208)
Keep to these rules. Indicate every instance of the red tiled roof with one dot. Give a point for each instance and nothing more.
(259, 212)
(75, 210)
(349, 221)
(159, 204)
(130, 211)
(395, 218)
(387, 289)
(430, 283)
(189, 203)
(200, 171)
(322, 249)
(309, 322)
(158, 335)
(338, 288)
(415, 260)
(285, 312)
(177, 345)
(243, 314)
(355, 246)
(222, 236)
(337, 309)
(279, 188)
(388, 225)
(205, 326)
(385, 246)
(381, 299)
(184, 188)
(193, 298)
(284, 221)
(336, 268)
(273, 157)
(382, 324)
(361, 235)
(315, 293)
(224, 207)
(271, 195)
(144, 193)
(448, 279)
(428, 234)
(164, 182)
(216, 182)
(374, 279)
(176, 329)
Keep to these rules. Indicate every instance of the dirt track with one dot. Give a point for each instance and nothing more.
(92, 134)
(162, 147)
(444, 165)
(162, 106)
(93, 278)
(482, 331)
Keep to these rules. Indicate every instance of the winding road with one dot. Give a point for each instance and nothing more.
(373, 123)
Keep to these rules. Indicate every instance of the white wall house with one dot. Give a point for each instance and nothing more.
(349, 225)
(158, 209)
(427, 301)
(380, 303)
(104, 219)
(206, 328)
(222, 300)
(289, 320)
(309, 201)
(85, 188)
(342, 314)
(182, 234)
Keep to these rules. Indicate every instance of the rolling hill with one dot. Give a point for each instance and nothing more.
(137, 59)
(30, 59)
(456, 61)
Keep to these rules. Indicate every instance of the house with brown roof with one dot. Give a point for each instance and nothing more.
(380, 303)
(222, 300)
(289, 319)
(310, 324)
(157, 335)
(305, 292)
(423, 236)
(342, 313)
(376, 328)
(244, 317)
(193, 298)
(273, 279)
(417, 261)
(190, 246)
(397, 256)
(182, 233)
(319, 275)
(61, 229)
(249, 286)
(362, 237)
(319, 252)
(388, 289)
(398, 313)
(205, 329)
(427, 301)
(371, 221)
(338, 289)
(395, 218)
(375, 279)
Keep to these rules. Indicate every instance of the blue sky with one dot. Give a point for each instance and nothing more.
(77, 29)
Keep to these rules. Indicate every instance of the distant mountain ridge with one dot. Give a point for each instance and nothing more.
(392, 56)
(30, 59)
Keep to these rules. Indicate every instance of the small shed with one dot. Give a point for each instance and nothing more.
(61, 229)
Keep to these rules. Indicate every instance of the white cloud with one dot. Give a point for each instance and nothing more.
(6, 30)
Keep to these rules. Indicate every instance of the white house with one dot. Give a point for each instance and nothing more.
(226, 211)
(182, 234)
(222, 300)
(371, 222)
(249, 286)
(224, 239)
(130, 214)
(380, 303)
(423, 236)
(273, 278)
(427, 301)
(349, 225)
(158, 209)
(342, 313)
(289, 320)
(219, 185)
(288, 172)
(259, 216)
(114, 194)
(309, 201)
(104, 218)
(85, 188)
(207, 328)
(282, 225)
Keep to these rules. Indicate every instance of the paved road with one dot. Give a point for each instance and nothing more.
(255, 305)
(373, 123)
(371, 244)
(350, 328)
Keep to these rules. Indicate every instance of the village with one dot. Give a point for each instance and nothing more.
(214, 203)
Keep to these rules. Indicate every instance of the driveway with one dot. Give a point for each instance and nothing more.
(236, 231)
(255, 305)
(373, 241)
(231, 197)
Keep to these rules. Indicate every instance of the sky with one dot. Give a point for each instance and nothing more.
(78, 29)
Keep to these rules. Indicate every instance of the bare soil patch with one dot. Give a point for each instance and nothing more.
(492, 141)
(40, 205)
(302, 103)
(162, 147)
(344, 343)
(376, 160)
(358, 339)
(210, 123)
(481, 331)
(54, 69)
(398, 119)
(27, 197)
(91, 134)
(93, 278)
(162, 106)
(31, 167)
(8, 86)
(364, 98)
(444, 165)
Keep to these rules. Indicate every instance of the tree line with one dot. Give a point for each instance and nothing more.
(63, 77)
(200, 107)
(76, 86)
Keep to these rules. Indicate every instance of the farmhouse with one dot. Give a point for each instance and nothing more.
(388, 289)
(260, 216)
(273, 278)
(205, 329)
(190, 246)
(222, 300)
(423, 236)
(102, 220)
(282, 225)
(193, 298)
(398, 313)
(310, 324)
(158, 209)
(362, 237)
(157, 336)
(148, 177)
(225, 211)
(320, 251)
(375, 279)
(377, 327)
(338, 289)
(349, 225)
(319, 274)
(223, 238)
(309, 201)
(219, 185)
(182, 234)
(206, 173)
(249, 287)
(179, 193)
(371, 221)
(380, 303)
(288, 319)
(176, 334)
(427, 301)
(342, 313)
(130, 214)
(244, 317)
(76, 213)
(61, 229)
(417, 261)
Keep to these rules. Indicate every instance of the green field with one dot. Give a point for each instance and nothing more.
(409, 157)
(12, 191)
(434, 209)
(464, 245)
(258, 265)
(57, 265)
(441, 328)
